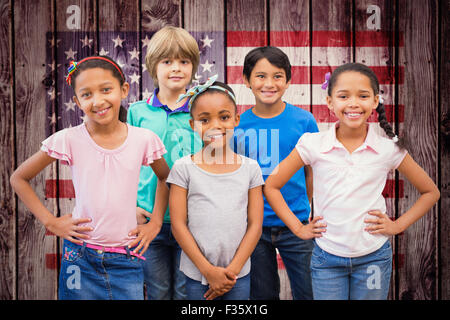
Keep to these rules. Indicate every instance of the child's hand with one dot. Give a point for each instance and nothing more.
(221, 280)
(313, 229)
(141, 215)
(145, 233)
(66, 227)
(380, 223)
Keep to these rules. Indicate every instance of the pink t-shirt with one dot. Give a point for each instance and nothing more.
(105, 181)
(347, 186)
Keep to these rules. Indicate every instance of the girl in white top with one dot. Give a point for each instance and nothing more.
(352, 258)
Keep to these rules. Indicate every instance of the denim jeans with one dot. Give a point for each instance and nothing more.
(241, 290)
(88, 274)
(296, 256)
(360, 278)
(162, 275)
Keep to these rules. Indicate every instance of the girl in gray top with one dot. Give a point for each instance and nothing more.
(216, 203)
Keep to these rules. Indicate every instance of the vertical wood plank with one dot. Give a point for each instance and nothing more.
(205, 21)
(155, 15)
(74, 42)
(375, 47)
(444, 215)
(35, 280)
(332, 28)
(417, 278)
(119, 38)
(289, 31)
(246, 29)
(7, 201)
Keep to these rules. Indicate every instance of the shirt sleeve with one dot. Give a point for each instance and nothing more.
(130, 116)
(397, 157)
(154, 149)
(58, 147)
(256, 178)
(304, 148)
(312, 125)
(178, 174)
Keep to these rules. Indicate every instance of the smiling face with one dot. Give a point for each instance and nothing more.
(352, 99)
(267, 82)
(214, 119)
(98, 93)
(174, 74)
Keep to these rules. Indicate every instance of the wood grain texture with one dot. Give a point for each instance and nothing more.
(417, 278)
(444, 161)
(35, 281)
(7, 200)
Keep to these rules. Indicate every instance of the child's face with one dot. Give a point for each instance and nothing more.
(214, 119)
(98, 93)
(352, 99)
(267, 82)
(174, 74)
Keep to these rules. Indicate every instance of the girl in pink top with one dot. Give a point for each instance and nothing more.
(103, 244)
(352, 257)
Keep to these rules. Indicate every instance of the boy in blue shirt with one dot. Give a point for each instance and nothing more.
(172, 59)
(267, 133)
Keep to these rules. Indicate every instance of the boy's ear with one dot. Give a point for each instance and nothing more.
(125, 89)
(191, 123)
(237, 119)
(246, 82)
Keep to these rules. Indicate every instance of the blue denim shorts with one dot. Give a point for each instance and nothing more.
(359, 278)
(89, 274)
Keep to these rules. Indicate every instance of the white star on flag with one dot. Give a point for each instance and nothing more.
(145, 41)
(52, 42)
(146, 94)
(118, 42)
(206, 41)
(86, 41)
(53, 118)
(206, 66)
(103, 52)
(135, 78)
(70, 54)
(134, 54)
(70, 105)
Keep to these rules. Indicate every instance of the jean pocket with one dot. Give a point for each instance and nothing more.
(385, 252)
(317, 257)
(71, 252)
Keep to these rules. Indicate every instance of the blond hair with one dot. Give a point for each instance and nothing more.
(171, 42)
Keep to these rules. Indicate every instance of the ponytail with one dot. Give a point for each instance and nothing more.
(385, 125)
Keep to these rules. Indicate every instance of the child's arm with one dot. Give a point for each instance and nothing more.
(64, 226)
(309, 182)
(219, 279)
(429, 195)
(255, 215)
(279, 177)
(147, 232)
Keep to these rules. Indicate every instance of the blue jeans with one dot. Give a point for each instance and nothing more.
(241, 290)
(360, 278)
(162, 275)
(88, 274)
(296, 256)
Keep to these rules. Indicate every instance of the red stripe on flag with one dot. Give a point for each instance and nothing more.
(300, 74)
(246, 38)
(51, 260)
(289, 38)
(66, 189)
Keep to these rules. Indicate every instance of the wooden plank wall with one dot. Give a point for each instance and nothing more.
(403, 40)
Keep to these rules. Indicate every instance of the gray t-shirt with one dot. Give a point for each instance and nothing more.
(216, 210)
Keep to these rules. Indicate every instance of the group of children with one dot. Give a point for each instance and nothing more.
(174, 197)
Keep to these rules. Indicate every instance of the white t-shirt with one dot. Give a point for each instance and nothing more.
(216, 210)
(348, 186)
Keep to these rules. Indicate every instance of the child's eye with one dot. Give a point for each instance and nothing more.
(106, 90)
(224, 118)
(260, 76)
(185, 61)
(85, 94)
(203, 120)
(165, 61)
(342, 96)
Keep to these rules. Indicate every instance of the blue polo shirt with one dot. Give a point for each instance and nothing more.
(270, 141)
(172, 127)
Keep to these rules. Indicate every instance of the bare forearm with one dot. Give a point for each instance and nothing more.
(161, 201)
(246, 247)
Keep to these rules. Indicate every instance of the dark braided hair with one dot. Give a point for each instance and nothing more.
(365, 70)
